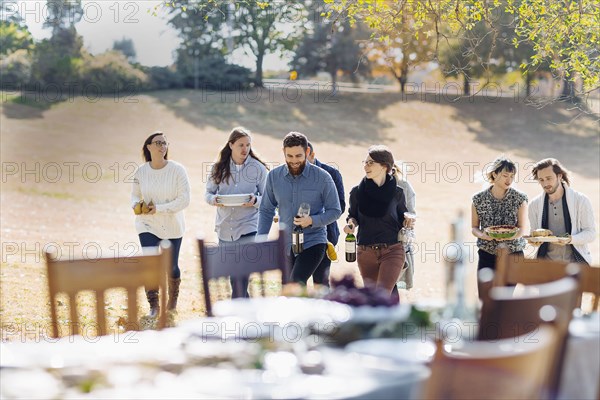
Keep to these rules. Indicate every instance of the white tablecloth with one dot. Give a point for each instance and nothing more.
(581, 368)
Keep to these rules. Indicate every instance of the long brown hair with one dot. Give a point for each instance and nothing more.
(146, 153)
(221, 171)
(557, 168)
(383, 155)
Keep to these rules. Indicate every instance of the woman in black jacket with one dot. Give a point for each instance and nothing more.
(377, 207)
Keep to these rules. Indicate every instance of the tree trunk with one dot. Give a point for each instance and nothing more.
(568, 90)
(528, 80)
(466, 85)
(334, 87)
(403, 76)
(258, 80)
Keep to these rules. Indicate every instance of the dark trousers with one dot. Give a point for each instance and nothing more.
(487, 260)
(321, 274)
(305, 264)
(242, 281)
(148, 239)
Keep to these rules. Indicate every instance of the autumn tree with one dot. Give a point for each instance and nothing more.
(563, 34)
(14, 34)
(404, 48)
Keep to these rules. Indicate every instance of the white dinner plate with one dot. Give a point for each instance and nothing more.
(232, 204)
(233, 197)
(402, 350)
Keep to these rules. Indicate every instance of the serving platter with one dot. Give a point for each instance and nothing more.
(545, 239)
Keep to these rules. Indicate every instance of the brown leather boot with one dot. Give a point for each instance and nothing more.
(152, 296)
(173, 293)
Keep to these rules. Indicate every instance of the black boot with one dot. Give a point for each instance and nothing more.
(152, 296)
(173, 293)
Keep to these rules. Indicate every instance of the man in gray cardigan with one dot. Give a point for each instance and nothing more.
(563, 211)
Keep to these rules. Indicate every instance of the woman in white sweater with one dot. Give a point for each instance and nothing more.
(164, 187)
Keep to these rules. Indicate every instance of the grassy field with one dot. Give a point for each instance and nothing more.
(66, 170)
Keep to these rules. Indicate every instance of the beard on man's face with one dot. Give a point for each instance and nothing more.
(296, 168)
(552, 189)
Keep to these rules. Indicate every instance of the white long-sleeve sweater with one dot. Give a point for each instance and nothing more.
(583, 226)
(169, 189)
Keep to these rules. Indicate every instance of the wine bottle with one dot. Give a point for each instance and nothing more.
(297, 239)
(350, 247)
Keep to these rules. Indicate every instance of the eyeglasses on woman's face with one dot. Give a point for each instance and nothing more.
(368, 162)
(160, 143)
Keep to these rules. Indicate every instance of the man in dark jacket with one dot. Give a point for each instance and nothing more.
(321, 274)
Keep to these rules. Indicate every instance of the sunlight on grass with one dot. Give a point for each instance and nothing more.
(54, 195)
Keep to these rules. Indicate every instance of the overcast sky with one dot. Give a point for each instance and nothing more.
(105, 21)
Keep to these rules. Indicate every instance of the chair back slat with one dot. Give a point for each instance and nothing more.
(590, 283)
(99, 274)
(102, 324)
(73, 313)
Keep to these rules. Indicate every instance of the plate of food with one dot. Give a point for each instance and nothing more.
(545, 236)
(501, 231)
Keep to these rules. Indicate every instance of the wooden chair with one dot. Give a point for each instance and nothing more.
(99, 274)
(505, 315)
(590, 283)
(238, 260)
(513, 269)
(514, 368)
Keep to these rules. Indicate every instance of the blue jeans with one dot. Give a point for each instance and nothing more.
(148, 239)
(306, 263)
(242, 282)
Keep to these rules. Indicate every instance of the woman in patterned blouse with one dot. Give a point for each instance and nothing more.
(499, 204)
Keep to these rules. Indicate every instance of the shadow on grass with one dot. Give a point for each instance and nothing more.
(557, 130)
(506, 124)
(322, 117)
(25, 105)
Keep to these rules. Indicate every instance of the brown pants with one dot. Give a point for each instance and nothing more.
(381, 266)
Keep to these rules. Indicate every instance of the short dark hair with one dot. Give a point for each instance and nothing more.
(294, 139)
(501, 164)
(556, 167)
(310, 146)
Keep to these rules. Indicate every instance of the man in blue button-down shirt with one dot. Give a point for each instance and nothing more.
(289, 185)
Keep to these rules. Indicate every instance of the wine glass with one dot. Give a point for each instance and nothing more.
(408, 234)
(303, 210)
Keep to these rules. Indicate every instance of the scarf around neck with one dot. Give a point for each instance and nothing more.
(373, 200)
(543, 250)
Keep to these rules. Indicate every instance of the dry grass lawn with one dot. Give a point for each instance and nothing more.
(65, 172)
